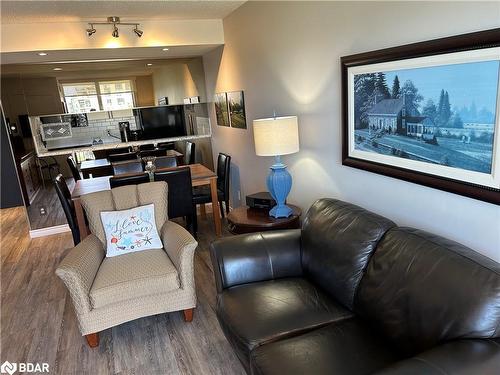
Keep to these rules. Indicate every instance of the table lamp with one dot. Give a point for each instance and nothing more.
(275, 137)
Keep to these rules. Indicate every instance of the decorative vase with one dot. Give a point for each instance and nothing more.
(279, 183)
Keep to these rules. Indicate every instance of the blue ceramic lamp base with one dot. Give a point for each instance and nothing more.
(279, 183)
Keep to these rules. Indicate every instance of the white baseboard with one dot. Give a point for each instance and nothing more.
(49, 231)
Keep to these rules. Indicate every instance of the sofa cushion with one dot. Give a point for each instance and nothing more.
(345, 347)
(457, 357)
(421, 289)
(132, 276)
(338, 239)
(255, 313)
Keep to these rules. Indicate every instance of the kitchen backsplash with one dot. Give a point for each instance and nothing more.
(98, 128)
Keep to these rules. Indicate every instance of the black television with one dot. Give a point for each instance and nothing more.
(161, 122)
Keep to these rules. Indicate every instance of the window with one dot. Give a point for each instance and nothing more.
(97, 96)
(81, 97)
(116, 95)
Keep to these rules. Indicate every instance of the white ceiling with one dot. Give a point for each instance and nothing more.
(77, 11)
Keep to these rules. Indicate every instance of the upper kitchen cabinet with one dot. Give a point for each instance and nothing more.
(30, 96)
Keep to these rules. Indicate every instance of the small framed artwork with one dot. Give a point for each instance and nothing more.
(194, 99)
(186, 100)
(427, 113)
(163, 101)
(221, 109)
(236, 102)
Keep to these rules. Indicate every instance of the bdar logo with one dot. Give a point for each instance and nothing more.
(8, 368)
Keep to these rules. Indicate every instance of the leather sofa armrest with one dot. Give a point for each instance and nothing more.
(78, 270)
(460, 357)
(180, 245)
(256, 257)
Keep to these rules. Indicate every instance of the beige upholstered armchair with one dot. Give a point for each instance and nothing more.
(109, 291)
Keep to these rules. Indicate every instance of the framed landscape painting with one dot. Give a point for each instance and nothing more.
(236, 103)
(221, 109)
(427, 113)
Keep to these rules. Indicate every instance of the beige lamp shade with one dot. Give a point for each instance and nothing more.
(276, 136)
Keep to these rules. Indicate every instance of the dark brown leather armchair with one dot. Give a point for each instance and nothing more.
(352, 293)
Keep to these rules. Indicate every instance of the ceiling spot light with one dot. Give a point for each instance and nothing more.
(138, 32)
(57, 69)
(164, 49)
(42, 53)
(91, 30)
(115, 32)
(149, 64)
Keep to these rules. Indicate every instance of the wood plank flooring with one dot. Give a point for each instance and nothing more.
(38, 323)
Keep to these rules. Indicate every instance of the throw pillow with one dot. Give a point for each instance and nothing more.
(132, 230)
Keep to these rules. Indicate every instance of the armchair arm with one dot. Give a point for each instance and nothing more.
(180, 247)
(78, 270)
(461, 357)
(256, 257)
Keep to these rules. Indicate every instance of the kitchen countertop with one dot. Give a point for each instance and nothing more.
(107, 146)
(58, 144)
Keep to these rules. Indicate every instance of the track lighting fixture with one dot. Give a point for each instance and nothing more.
(91, 30)
(138, 32)
(115, 22)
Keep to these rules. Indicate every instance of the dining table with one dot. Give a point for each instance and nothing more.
(103, 167)
(200, 176)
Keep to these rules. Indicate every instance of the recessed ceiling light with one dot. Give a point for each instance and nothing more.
(164, 49)
(149, 64)
(57, 69)
(42, 53)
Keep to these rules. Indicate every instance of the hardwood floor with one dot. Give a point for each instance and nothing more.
(38, 323)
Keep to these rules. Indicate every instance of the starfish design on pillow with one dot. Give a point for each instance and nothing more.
(147, 240)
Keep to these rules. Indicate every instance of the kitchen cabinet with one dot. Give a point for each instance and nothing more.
(30, 177)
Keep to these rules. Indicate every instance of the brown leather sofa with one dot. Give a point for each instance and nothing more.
(352, 293)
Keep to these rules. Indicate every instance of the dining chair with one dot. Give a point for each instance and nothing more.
(74, 169)
(190, 153)
(128, 179)
(68, 207)
(127, 167)
(49, 164)
(122, 157)
(165, 162)
(180, 196)
(157, 153)
(201, 194)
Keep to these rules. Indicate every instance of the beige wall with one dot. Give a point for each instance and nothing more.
(285, 56)
(180, 80)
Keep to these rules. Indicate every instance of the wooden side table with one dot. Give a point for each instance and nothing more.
(247, 220)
